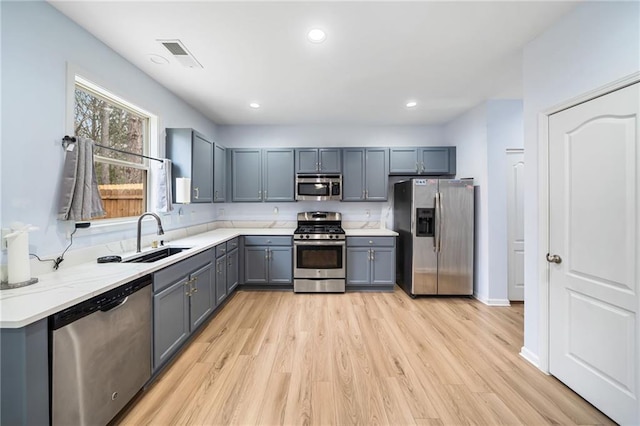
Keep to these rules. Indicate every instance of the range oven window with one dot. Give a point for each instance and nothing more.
(319, 257)
(313, 189)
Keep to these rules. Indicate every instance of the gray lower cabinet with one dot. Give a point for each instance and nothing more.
(423, 161)
(219, 174)
(371, 261)
(268, 260)
(263, 175)
(221, 279)
(183, 299)
(233, 271)
(365, 176)
(192, 157)
(24, 365)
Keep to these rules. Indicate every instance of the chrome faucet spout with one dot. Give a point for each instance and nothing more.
(138, 236)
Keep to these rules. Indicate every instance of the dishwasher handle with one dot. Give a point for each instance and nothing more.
(114, 305)
(104, 302)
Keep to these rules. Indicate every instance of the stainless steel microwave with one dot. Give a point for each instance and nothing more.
(319, 187)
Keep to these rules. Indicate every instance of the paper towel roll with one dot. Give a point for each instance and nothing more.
(183, 190)
(18, 266)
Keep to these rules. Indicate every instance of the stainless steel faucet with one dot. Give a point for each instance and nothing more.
(160, 230)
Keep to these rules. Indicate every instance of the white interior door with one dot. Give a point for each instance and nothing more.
(594, 226)
(515, 225)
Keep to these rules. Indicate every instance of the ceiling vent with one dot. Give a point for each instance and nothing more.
(180, 52)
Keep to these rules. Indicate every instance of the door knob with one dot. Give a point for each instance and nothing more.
(553, 258)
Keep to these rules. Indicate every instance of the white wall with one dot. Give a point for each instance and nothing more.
(504, 131)
(482, 136)
(469, 133)
(329, 136)
(37, 43)
(595, 44)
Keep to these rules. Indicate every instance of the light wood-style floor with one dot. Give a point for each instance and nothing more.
(274, 358)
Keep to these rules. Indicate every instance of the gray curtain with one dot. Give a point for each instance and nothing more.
(79, 195)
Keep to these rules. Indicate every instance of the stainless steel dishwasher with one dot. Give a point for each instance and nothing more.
(101, 354)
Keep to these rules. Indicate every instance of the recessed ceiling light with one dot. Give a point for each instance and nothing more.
(158, 60)
(411, 104)
(316, 35)
(254, 105)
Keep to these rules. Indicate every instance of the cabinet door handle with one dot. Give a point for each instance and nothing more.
(363, 194)
(373, 255)
(369, 254)
(216, 195)
(195, 285)
(265, 194)
(417, 167)
(366, 194)
(260, 194)
(317, 167)
(196, 193)
(187, 283)
(266, 254)
(422, 167)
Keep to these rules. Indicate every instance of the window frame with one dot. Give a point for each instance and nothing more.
(77, 78)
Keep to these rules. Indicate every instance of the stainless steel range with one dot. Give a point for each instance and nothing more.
(319, 253)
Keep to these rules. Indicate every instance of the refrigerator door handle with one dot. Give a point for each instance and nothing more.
(437, 241)
(436, 228)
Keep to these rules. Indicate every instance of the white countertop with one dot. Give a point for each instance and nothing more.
(61, 289)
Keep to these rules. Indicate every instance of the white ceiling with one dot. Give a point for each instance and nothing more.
(448, 56)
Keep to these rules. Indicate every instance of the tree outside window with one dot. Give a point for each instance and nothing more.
(122, 177)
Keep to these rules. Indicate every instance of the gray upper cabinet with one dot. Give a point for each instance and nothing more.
(246, 170)
(423, 161)
(437, 161)
(365, 176)
(263, 175)
(403, 160)
(323, 160)
(353, 185)
(192, 157)
(376, 174)
(278, 178)
(219, 174)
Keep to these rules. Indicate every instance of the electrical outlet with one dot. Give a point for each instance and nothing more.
(220, 213)
(367, 213)
(275, 211)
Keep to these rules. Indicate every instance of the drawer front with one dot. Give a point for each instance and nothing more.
(221, 250)
(265, 240)
(164, 277)
(232, 244)
(371, 241)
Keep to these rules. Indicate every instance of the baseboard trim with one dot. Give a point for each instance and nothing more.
(492, 302)
(531, 358)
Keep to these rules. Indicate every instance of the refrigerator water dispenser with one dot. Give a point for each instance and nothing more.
(425, 222)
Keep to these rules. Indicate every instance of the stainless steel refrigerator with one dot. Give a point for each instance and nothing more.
(435, 222)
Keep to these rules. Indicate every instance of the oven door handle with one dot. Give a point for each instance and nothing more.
(319, 243)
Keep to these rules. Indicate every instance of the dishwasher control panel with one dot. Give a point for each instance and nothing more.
(102, 302)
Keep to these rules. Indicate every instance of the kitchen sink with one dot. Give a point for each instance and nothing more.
(155, 255)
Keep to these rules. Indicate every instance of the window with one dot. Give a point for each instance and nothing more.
(114, 123)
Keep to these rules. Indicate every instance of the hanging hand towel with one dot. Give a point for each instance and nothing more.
(79, 194)
(163, 186)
